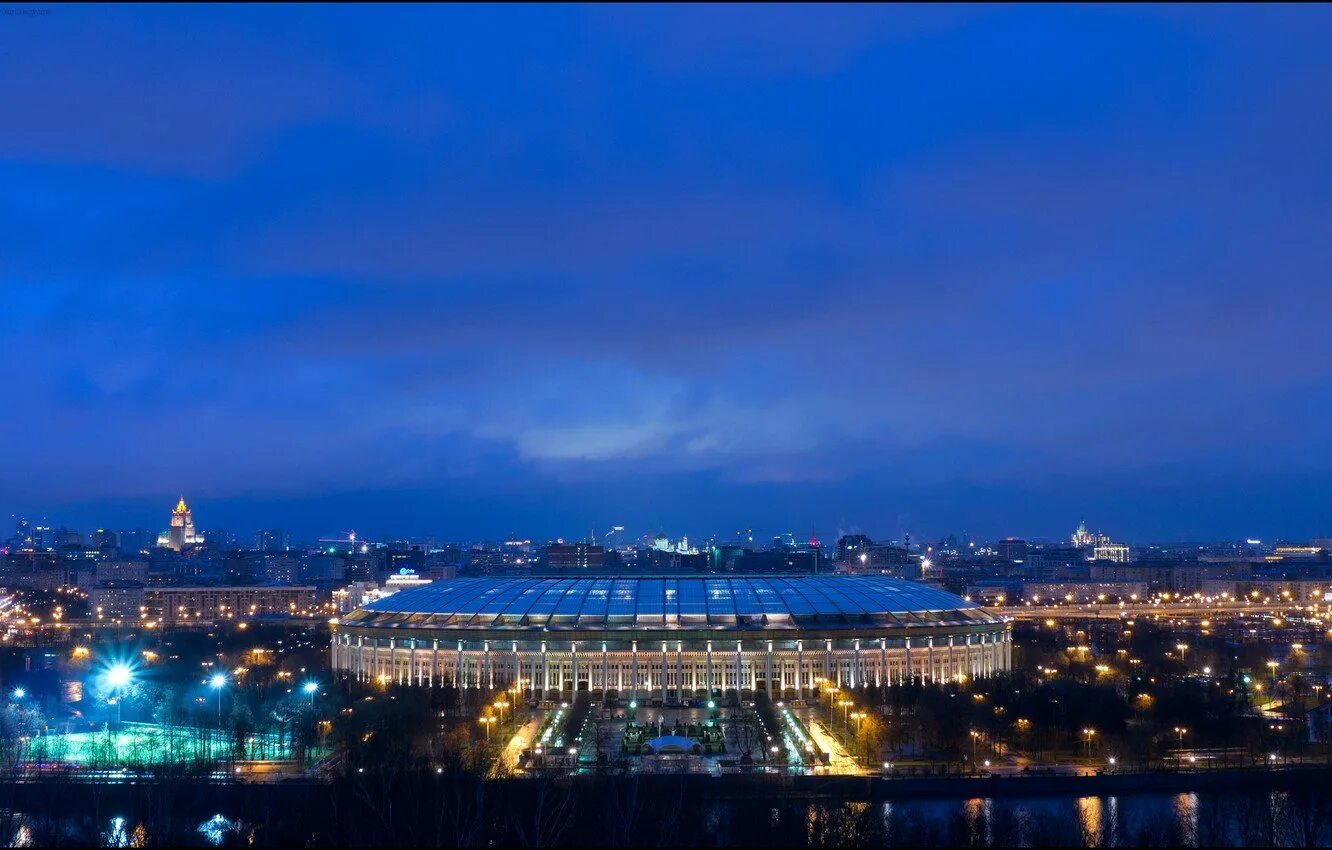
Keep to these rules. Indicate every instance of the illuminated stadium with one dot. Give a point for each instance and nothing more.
(670, 638)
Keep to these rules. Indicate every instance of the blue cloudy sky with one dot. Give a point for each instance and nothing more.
(477, 270)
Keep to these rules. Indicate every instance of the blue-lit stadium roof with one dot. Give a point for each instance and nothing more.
(668, 602)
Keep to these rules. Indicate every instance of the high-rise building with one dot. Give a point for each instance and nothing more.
(271, 540)
(567, 556)
(1013, 549)
(181, 535)
(852, 549)
(1081, 537)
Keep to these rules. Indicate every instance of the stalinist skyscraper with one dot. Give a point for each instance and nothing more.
(181, 534)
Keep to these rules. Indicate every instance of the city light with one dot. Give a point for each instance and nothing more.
(119, 676)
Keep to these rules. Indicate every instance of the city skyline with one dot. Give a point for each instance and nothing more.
(937, 270)
(179, 521)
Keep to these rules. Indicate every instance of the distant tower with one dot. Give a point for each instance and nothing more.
(1082, 538)
(181, 535)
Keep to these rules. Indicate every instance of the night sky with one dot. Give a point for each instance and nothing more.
(472, 271)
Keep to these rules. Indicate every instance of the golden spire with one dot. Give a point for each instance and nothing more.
(180, 506)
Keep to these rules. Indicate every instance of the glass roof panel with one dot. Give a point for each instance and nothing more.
(572, 603)
(545, 606)
(500, 602)
(849, 599)
(522, 597)
(693, 599)
(721, 603)
(746, 603)
(598, 599)
(650, 600)
(623, 601)
(790, 594)
(812, 591)
(769, 600)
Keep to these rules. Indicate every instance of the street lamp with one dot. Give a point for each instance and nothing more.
(486, 721)
(19, 693)
(1090, 733)
(501, 705)
(118, 677)
(1180, 732)
(311, 688)
(217, 683)
(845, 705)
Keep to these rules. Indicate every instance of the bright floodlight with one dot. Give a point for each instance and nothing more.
(19, 693)
(310, 687)
(119, 675)
(217, 681)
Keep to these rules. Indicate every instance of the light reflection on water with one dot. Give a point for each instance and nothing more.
(1183, 820)
(118, 832)
(215, 829)
(1186, 817)
(980, 820)
(1091, 814)
(1300, 817)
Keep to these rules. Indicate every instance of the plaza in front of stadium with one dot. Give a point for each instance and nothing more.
(671, 673)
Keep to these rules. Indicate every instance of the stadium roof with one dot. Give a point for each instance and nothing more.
(668, 602)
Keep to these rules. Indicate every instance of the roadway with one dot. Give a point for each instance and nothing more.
(1115, 611)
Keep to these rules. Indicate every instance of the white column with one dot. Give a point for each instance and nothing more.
(679, 670)
(767, 687)
(709, 682)
(633, 662)
(739, 671)
(800, 669)
(857, 675)
(664, 668)
(545, 671)
(908, 672)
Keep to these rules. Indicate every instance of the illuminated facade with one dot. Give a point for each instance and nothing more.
(181, 534)
(210, 604)
(1081, 537)
(670, 638)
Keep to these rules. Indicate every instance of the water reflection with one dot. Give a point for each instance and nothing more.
(979, 815)
(116, 835)
(1091, 814)
(1296, 818)
(215, 829)
(1186, 818)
